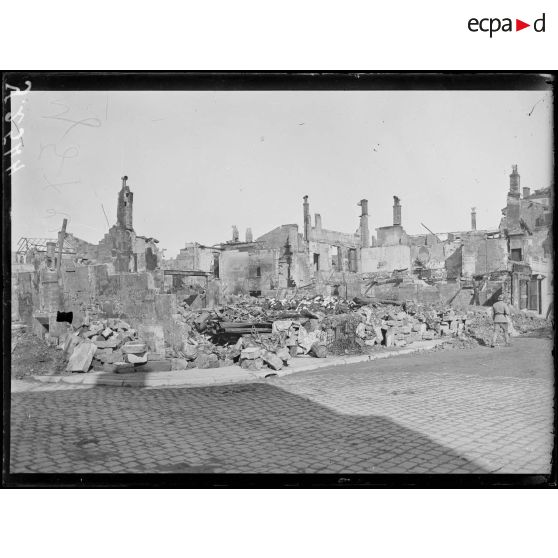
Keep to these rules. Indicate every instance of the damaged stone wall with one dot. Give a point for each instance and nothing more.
(388, 236)
(249, 272)
(385, 258)
(438, 256)
(196, 257)
(481, 255)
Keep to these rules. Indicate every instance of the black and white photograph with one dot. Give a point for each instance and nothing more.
(279, 278)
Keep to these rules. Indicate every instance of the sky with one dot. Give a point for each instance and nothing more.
(200, 162)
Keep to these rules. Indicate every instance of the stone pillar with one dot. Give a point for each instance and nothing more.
(396, 211)
(364, 231)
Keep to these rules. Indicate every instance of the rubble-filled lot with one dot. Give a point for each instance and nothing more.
(257, 333)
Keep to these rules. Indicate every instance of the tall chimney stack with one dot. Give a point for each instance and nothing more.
(307, 223)
(249, 236)
(473, 218)
(364, 231)
(124, 209)
(514, 182)
(396, 211)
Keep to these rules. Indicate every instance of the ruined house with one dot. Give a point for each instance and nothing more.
(527, 227)
(118, 275)
(471, 266)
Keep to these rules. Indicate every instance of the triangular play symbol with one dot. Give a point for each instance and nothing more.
(519, 25)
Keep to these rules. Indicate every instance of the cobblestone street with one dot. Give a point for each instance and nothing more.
(463, 411)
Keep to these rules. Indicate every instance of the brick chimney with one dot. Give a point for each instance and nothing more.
(364, 231)
(473, 218)
(307, 222)
(396, 211)
(514, 182)
(124, 215)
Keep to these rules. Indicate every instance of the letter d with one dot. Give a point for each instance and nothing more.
(542, 21)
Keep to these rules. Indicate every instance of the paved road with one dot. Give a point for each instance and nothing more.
(462, 411)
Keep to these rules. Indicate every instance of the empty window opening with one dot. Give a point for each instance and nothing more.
(516, 254)
(316, 262)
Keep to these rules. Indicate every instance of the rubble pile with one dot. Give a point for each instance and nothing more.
(266, 332)
(481, 328)
(111, 345)
(526, 322)
(32, 355)
(262, 334)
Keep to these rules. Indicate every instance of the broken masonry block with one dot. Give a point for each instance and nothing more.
(116, 356)
(250, 353)
(71, 343)
(255, 364)
(134, 348)
(81, 358)
(107, 332)
(318, 351)
(273, 361)
(284, 354)
(136, 358)
(103, 355)
(189, 351)
(108, 344)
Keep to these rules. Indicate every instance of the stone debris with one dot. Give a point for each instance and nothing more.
(109, 345)
(81, 358)
(266, 333)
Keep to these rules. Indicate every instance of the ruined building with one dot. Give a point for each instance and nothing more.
(86, 278)
(121, 246)
(124, 274)
(460, 266)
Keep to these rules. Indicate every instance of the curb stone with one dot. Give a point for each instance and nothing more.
(221, 376)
